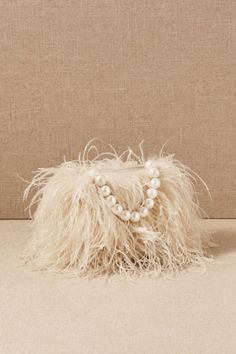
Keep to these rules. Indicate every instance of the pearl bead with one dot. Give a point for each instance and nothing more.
(155, 183)
(150, 164)
(111, 200)
(135, 216)
(151, 193)
(117, 209)
(153, 172)
(92, 172)
(105, 190)
(143, 212)
(125, 215)
(100, 181)
(149, 203)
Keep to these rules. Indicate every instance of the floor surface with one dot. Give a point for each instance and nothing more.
(46, 313)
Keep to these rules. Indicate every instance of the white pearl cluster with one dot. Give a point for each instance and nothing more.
(117, 209)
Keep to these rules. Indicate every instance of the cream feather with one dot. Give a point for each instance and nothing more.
(73, 229)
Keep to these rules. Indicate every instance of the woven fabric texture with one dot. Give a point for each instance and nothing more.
(121, 71)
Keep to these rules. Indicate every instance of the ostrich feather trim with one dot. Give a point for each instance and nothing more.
(74, 230)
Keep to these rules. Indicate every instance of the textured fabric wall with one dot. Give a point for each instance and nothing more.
(121, 71)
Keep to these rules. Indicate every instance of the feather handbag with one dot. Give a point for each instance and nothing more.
(115, 215)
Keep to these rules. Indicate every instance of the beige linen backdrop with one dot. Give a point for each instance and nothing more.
(122, 71)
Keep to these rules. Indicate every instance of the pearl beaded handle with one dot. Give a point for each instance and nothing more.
(151, 193)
